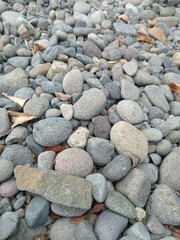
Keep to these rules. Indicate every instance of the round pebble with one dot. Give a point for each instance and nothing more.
(8, 188)
(6, 170)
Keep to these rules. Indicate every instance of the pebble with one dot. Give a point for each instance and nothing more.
(169, 165)
(100, 126)
(131, 67)
(4, 121)
(67, 211)
(174, 108)
(152, 134)
(46, 159)
(109, 225)
(125, 29)
(19, 62)
(25, 93)
(117, 168)
(150, 170)
(5, 205)
(71, 191)
(90, 104)
(40, 69)
(161, 125)
(129, 91)
(116, 202)
(101, 150)
(52, 131)
(137, 180)
(99, 186)
(82, 7)
(8, 225)
(37, 212)
(19, 203)
(154, 225)
(33, 145)
(17, 154)
(51, 87)
(36, 106)
(67, 111)
(91, 49)
(143, 78)
(17, 135)
(83, 230)
(161, 208)
(163, 147)
(78, 139)
(73, 82)
(6, 170)
(8, 188)
(130, 111)
(113, 89)
(139, 230)
(129, 140)
(74, 161)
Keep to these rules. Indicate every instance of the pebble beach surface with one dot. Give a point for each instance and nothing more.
(89, 119)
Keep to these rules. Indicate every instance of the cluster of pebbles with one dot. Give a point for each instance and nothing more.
(106, 125)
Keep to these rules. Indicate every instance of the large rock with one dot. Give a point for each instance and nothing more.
(68, 190)
(11, 82)
(129, 140)
(90, 104)
(164, 203)
(11, 17)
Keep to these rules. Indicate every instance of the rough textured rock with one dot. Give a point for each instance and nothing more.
(68, 190)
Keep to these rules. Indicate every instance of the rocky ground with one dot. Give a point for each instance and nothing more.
(89, 120)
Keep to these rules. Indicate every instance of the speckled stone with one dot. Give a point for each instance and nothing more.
(36, 106)
(8, 188)
(6, 170)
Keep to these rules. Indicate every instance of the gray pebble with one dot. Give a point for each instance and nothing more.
(51, 87)
(125, 29)
(84, 231)
(25, 93)
(91, 49)
(46, 159)
(19, 62)
(163, 147)
(143, 78)
(52, 131)
(5, 205)
(101, 150)
(113, 117)
(173, 122)
(150, 170)
(131, 67)
(19, 203)
(17, 135)
(161, 125)
(36, 106)
(53, 112)
(152, 134)
(117, 168)
(82, 7)
(174, 136)
(175, 108)
(109, 225)
(111, 53)
(156, 158)
(4, 121)
(8, 225)
(113, 89)
(154, 225)
(10, 50)
(6, 170)
(67, 211)
(155, 112)
(139, 230)
(37, 211)
(100, 127)
(129, 91)
(33, 145)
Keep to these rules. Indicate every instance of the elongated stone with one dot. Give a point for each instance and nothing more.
(68, 190)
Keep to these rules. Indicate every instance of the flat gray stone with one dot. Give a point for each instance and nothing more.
(143, 78)
(125, 29)
(17, 135)
(129, 91)
(6, 170)
(84, 230)
(4, 121)
(154, 225)
(139, 230)
(36, 106)
(151, 170)
(152, 134)
(131, 67)
(65, 211)
(11, 17)
(68, 190)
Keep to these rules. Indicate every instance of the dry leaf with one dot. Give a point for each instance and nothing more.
(97, 208)
(17, 100)
(151, 23)
(175, 87)
(62, 96)
(123, 17)
(19, 118)
(113, 63)
(58, 148)
(158, 34)
(54, 215)
(28, 199)
(40, 237)
(143, 38)
(36, 47)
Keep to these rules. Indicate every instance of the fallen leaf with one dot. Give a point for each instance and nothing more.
(36, 47)
(62, 96)
(97, 208)
(174, 87)
(54, 215)
(123, 17)
(157, 33)
(40, 237)
(113, 63)
(58, 148)
(17, 100)
(18, 118)
(151, 23)
(143, 38)
(28, 198)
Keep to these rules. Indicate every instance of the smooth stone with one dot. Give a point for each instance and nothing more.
(160, 204)
(4, 121)
(33, 145)
(46, 159)
(113, 89)
(137, 180)
(175, 108)
(167, 92)
(154, 225)
(109, 225)
(97, 17)
(64, 228)
(155, 112)
(25, 93)
(99, 186)
(84, 230)
(78, 139)
(171, 77)
(36, 106)
(40, 69)
(9, 50)
(151, 170)
(5, 206)
(157, 97)
(91, 49)
(125, 29)
(155, 158)
(97, 40)
(51, 87)
(83, 31)
(143, 78)
(111, 53)
(147, 14)
(11, 17)
(152, 134)
(8, 188)
(66, 111)
(131, 67)
(129, 140)
(169, 170)
(139, 230)
(161, 125)
(19, 203)
(171, 21)
(100, 127)
(2, 7)
(64, 211)
(8, 225)
(163, 147)
(82, 7)
(52, 131)
(50, 53)
(68, 190)
(73, 82)
(11, 82)
(17, 135)
(116, 202)
(174, 136)
(173, 122)
(74, 161)
(129, 237)
(52, 112)
(37, 212)
(101, 150)
(117, 168)
(6, 170)
(90, 104)
(17, 154)
(19, 62)
(130, 111)
(129, 91)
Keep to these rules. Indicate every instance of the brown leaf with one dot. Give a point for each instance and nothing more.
(123, 17)
(36, 47)
(97, 208)
(62, 96)
(143, 38)
(28, 199)
(40, 237)
(113, 63)
(54, 215)
(17, 100)
(175, 87)
(157, 33)
(151, 23)
(58, 148)
(19, 118)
